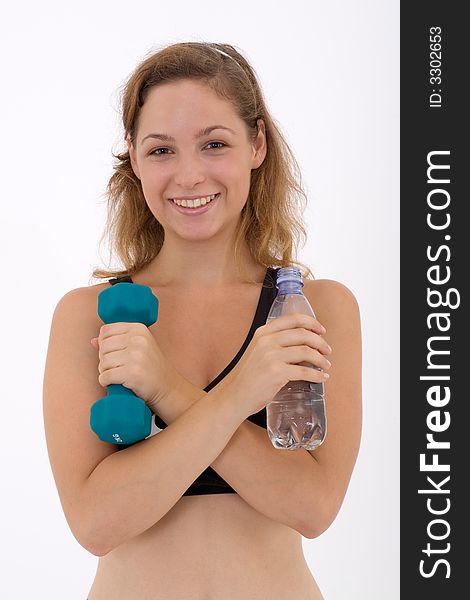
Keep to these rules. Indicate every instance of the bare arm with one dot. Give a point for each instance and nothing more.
(110, 496)
(302, 489)
(129, 491)
(284, 486)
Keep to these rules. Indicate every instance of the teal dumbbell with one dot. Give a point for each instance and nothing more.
(121, 417)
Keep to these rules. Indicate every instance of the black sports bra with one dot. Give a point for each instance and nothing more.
(209, 481)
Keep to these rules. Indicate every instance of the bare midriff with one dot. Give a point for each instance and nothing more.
(211, 547)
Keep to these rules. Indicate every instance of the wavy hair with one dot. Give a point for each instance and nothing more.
(271, 220)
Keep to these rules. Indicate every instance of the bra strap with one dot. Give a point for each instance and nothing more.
(125, 278)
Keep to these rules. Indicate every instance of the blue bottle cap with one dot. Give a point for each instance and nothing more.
(288, 274)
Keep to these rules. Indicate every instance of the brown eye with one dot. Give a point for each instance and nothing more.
(153, 152)
(221, 144)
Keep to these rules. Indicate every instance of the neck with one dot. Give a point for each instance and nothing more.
(193, 265)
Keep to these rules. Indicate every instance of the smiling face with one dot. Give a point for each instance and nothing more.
(189, 162)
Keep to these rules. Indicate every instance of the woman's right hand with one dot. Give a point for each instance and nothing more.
(279, 352)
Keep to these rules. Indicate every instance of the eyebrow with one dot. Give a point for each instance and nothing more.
(199, 134)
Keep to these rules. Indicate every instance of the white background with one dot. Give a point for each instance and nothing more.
(330, 74)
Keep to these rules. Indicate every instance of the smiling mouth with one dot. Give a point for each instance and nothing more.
(197, 203)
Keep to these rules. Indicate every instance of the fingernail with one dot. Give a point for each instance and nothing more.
(326, 376)
(323, 329)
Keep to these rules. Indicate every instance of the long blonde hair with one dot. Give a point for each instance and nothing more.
(271, 220)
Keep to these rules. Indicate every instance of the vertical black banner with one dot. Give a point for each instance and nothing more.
(435, 331)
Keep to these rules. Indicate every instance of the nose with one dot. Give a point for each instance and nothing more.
(189, 172)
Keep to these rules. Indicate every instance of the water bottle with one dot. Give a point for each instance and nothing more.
(296, 415)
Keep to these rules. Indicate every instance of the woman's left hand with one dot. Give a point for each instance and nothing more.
(129, 355)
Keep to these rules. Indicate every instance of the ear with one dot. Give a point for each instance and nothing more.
(259, 146)
(132, 156)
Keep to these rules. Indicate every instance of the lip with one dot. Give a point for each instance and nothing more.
(195, 211)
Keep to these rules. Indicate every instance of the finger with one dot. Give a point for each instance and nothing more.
(108, 377)
(305, 354)
(299, 336)
(110, 329)
(293, 320)
(111, 361)
(303, 373)
(113, 344)
(311, 323)
(108, 332)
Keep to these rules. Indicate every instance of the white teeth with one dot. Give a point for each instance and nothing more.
(195, 203)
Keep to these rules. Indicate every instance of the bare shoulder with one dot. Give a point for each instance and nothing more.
(83, 298)
(89, 291)
(331, 300)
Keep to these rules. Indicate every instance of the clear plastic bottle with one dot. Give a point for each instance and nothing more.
(296, 416)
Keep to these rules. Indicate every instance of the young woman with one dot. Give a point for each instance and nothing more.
(203, 209)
